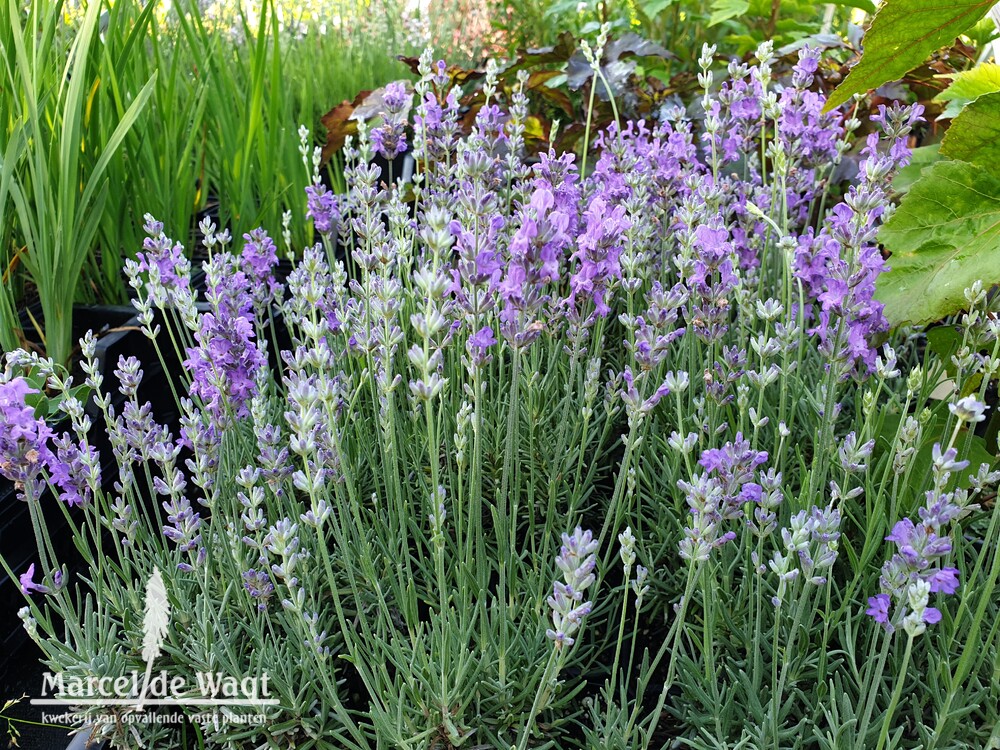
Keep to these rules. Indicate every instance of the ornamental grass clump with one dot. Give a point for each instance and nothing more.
(552, 459)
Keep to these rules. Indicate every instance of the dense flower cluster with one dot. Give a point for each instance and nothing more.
(224, 364)
(389, 138)
(577, 561)
(323, 209)
(164, 261)
(840, 264)
(915, 571)
(258, 261)
(810, 544)
(24, 439)
(464, 358)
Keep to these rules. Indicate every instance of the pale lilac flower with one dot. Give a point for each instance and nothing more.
(704, 496)
(920, 615)
(852, 455)
(627, 551)
(810, 542)
(945, 463)
(28, 585)
(258, 585)
(479, 345)
(577, 561)
(878, 610)
(764, 519)
(183, 525)
(24, 450)
(639, 586)
(735, 465)
(968, 410)
(224, 365)
(323, 207)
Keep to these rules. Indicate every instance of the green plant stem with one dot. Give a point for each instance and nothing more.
(552, 667)
(586, 130)
(897, 691)
(873, 678)
(505, 522)
(618, 652)
(778, 685)
(973, 648)
(674, 645)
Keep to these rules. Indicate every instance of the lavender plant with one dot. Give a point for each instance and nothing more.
(410, 521)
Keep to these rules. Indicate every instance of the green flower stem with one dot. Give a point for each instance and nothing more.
(510, 449)
(614, 511)
(873, 679)
(618, 650)
(476, 525)
(586, 129)
(635, 630)
(897, 691)
(778, 683)
(549, 675)
(973, 648)
(674, 646)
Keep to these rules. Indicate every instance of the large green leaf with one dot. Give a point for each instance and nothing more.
(653, 8)
(968, 86)
(866, 5)
(974, 136)
(920, 159)
(723, 10)
(944, 235)
(902, 35)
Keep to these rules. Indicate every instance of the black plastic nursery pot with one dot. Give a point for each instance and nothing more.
(119, 334)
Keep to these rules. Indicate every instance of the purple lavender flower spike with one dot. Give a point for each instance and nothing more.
(841, 263)
(537, 252)
(914, 572)
(24, 450)
(598, 250)
(389, 138)
(436, 127)
(228, 286)
(224, 365)
(75, 470)
(323, 207)
(166, 263)
(258, 261)
(577, 561)
(258, 585)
